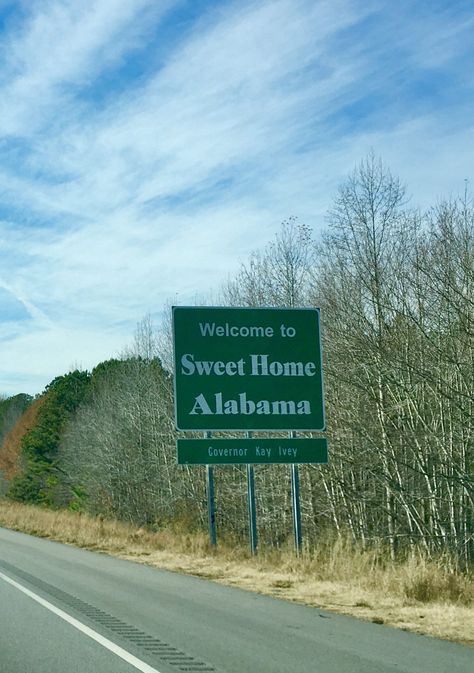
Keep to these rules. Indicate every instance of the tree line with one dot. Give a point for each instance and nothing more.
(396, 291)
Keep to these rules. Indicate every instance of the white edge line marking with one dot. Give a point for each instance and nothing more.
(105, 642)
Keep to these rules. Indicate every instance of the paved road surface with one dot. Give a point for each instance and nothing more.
(66, 610)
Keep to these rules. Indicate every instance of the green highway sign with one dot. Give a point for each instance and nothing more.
(247, 369)
(253, 451)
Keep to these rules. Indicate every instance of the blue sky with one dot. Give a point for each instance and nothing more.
(146, 148)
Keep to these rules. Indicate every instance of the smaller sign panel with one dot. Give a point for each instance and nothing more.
(252, 451)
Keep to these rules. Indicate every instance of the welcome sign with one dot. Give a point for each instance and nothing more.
(247, 369)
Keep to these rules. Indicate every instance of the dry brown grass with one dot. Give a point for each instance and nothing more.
(418, 595)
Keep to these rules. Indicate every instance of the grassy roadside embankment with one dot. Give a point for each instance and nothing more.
(416, 595)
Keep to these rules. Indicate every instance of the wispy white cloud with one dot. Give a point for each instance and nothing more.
(114, 201)
(63, 45)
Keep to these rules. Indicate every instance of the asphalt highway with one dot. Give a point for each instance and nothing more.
(66, 610)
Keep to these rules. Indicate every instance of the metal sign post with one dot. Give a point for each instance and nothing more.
(252, 509)
(295, 498)
(211, 510)
(295, 502)
(251, 506)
